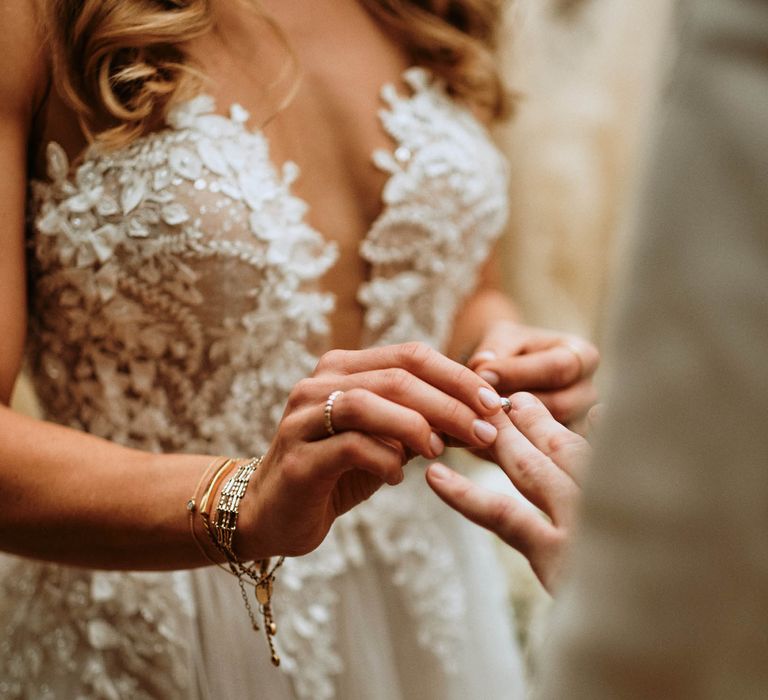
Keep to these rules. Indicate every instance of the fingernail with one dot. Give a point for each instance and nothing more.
(522, 400)
(436, 445)
(485, 431)
(491, 377)
(489, 399)
(438, 471)
(484, 356)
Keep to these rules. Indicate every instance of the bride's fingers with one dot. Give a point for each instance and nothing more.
(318, 481)
(516, 522)
(570, 403)
(327, 460)
(363, 411)
(443, 412)
(354, 487)
(568, 450)
(551, 368)
(421, 361)
(503, 340)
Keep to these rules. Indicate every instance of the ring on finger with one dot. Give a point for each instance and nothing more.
(576, 350)
(328, 411)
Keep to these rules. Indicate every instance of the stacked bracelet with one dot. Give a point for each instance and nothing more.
(221, 531)
(225, 522)
(202, 506)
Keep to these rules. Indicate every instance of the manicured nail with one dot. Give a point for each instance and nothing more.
(522, 400)
(491, 377)
(489, 399)
(436, 445)
(484, 356)
(485, 431)
(440, 472)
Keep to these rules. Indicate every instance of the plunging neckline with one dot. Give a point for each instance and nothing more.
(415, 78)
(445, 190)
(189, 115)
(408, 87)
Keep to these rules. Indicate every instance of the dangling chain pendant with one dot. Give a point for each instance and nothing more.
(264, 589)
(221, 531)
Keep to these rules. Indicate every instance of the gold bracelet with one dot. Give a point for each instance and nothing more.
(192, 509)
(206, 507)
(203, 509)
(222, 537)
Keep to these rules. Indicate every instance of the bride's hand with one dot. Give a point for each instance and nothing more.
(396, 401)
(557, 367)
(546, 462)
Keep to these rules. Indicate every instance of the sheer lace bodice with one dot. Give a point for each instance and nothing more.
(179, 274)
(175, 302)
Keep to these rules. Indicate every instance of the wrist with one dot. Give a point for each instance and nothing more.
(252, 541)
(201, 504)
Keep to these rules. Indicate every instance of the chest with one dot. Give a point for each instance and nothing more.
(310, 83)
(210, 213)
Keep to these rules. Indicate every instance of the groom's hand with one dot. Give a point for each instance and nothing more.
(546, 462)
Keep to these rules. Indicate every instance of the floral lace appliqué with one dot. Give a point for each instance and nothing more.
(445, 203)
(175, 303)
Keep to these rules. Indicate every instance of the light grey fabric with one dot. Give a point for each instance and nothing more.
(668, 592)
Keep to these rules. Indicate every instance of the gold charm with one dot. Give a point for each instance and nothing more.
(264, 591)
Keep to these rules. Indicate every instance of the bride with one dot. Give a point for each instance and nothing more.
(175, 288)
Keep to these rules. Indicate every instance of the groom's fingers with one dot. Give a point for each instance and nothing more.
(516, 522)
(534, 474)
(568, 450)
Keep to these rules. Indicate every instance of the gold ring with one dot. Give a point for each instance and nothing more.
(328, 411)
(572, 347)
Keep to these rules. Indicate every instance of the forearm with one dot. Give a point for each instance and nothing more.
(485, 307)
(76, 499)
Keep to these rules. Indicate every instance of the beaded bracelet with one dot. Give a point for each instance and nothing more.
(221, 531)
(225, 522)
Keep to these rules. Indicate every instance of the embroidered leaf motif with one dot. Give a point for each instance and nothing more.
(132, 194)
(58, 163)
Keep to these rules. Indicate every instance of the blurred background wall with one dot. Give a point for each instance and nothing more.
(587, 71)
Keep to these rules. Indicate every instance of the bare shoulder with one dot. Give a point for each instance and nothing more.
(24, 75)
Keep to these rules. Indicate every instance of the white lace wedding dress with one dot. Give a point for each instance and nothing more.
(174, 304)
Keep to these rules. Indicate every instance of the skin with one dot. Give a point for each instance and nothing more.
(557, 367)
(547, 463)
(77, 499)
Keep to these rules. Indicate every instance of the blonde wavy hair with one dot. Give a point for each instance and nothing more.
(121, 63)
